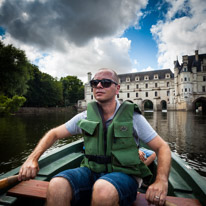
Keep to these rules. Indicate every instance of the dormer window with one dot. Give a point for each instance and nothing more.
(137, 78)
(146, 77)
(167, 76)
(127, 79)
(156, 76)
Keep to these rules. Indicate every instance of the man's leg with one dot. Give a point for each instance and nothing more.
(114, 188)
(59, 192)
(104, 193)
(71, 186)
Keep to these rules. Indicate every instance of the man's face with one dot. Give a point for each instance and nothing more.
(102, 94)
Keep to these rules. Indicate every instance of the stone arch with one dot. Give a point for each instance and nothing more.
(163, 105)
(147, 105)
(199, 105)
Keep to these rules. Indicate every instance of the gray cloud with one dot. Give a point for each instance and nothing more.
(52, 23)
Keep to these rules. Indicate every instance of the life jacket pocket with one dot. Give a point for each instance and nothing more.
(123, 135)
(90, 134)
(126, 161)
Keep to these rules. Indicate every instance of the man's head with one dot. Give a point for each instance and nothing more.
(106, 89)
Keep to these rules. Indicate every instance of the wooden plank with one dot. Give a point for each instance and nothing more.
(38, 189)
(178, 201)
(30, 188)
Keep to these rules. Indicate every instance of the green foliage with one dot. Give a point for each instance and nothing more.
(10, 105)
(44, 90)
(14, 71)
(73, 90)
(19, 77)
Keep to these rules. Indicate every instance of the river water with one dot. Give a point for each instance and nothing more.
(185, 133)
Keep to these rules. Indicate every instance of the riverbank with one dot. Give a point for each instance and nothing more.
(46, 110)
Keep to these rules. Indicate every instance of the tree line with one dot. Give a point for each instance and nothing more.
(23, 84)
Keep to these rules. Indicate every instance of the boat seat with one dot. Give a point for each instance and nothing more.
(38, 189)
(60, 164)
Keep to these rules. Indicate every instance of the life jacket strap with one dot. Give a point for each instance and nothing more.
(99, 159)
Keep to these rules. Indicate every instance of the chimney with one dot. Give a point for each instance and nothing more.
(196, 55)
(89, 76)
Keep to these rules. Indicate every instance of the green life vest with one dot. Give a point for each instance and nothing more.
(113, 149)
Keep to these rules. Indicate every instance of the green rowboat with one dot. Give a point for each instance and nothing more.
(183, 180)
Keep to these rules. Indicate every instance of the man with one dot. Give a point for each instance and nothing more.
(101, 177)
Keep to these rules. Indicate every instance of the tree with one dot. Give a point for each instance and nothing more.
(14, 71)
(73, 90)
(44, 90)
(10, 105)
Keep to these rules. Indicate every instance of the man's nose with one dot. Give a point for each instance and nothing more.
(99, 85)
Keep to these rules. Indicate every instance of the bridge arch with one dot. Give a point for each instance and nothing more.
(199, 105)
(163, 105)
(147, 105)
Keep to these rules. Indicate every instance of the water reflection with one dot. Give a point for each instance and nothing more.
(184, 131)
(186, 134)
(20, 134)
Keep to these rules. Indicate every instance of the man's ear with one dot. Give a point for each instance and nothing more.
(118, 88)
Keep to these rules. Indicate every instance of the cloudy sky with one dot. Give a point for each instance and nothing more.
(73, 37)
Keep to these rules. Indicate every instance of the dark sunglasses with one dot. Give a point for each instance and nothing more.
(106, 83)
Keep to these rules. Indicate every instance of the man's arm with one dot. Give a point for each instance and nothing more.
(157, 192)
(30, 167)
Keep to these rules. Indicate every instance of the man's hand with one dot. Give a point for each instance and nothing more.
(157, 192)
(28, 170)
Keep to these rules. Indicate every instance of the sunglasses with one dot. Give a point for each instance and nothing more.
(106, 83)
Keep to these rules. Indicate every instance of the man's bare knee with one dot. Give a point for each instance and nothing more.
(59, 192)
(104, 193)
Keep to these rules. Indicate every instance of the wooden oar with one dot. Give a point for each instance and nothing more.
(8, 181)
(167, 203)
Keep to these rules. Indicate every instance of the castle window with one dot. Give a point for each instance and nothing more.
(204, 78)
(127, 79)
(203, 88)
(156, 85)
(117, 95)
(155, 94)
(204, 68)
(167, 76)
(91, 96)
(185, 89)
(146, 94)
(168, 93)
(156, 76)
(137, 78)
(168, 84)
(185, 79)
(146, 85)
(137, 86)
(128, 95)
(146, 77)
(91, 89)
(127, 87)
(136, 94)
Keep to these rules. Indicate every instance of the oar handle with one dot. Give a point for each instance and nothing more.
(167, 203)
(8, 181)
